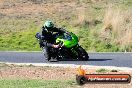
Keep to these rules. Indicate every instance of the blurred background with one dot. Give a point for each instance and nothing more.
(101, 25)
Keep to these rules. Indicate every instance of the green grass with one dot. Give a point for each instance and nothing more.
(23, 83)
(21, 38)
(102, 70)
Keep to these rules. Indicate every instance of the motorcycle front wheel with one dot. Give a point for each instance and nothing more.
(45, 53)
(82, 54)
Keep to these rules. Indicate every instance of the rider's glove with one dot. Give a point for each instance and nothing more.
(55, 46)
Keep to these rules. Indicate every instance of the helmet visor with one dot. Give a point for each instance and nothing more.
(49, 28)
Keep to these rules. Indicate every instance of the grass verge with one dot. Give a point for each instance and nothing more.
(102, 70)
(23, 83)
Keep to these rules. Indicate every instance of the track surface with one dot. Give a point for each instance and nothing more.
(97, 59)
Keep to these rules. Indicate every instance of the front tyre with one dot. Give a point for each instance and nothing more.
(82, 54)
(45, 53)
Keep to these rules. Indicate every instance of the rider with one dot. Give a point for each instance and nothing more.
(48, 39)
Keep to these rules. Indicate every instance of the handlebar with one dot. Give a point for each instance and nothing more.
(60, 44)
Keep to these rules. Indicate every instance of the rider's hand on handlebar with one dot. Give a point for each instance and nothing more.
(55, 46)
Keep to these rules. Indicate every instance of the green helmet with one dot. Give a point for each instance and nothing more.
(48, 25)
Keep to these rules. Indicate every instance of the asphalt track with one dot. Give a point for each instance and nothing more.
(97, 59)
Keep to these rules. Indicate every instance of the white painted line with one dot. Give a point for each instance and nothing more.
(75, 66)
(21, 51)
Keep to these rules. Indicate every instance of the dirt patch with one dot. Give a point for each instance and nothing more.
(53, 73)
(46, 72)
(40, 10)
(31, 72)
(31, 8)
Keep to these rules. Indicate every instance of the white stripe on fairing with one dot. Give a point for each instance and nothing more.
(75, 66)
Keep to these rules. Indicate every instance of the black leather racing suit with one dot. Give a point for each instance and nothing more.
(48, 40)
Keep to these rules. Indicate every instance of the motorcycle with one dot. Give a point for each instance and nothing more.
(69, 47)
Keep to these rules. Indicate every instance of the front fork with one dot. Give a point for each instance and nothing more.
(72, 53)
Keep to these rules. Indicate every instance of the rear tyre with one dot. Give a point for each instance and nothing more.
(82, 54)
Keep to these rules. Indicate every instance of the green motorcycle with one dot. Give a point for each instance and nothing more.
(69, 47)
